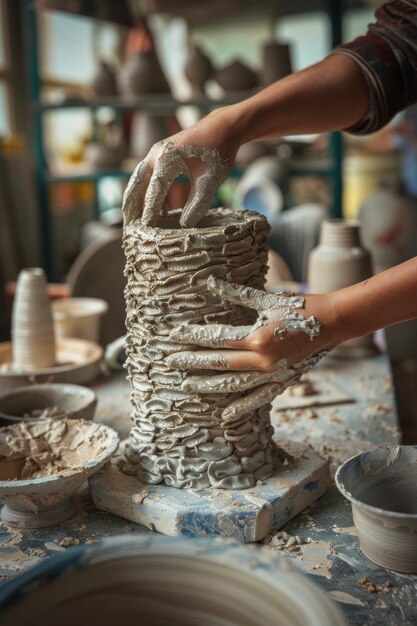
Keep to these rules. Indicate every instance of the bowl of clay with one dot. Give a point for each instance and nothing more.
(42, 401)
(44, 462)
(165, 581)
(382, 487)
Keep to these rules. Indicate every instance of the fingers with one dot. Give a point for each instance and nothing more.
(134, 193)
(202, 192)
(262, 395)
(210, 336)
(169, 165)
(220, 360)
(206, 179)
(239, 294)
(231, 382)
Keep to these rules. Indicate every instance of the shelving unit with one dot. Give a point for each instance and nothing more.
(162, 105)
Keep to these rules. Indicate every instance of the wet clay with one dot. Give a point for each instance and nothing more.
(48, 447)
(185, 430)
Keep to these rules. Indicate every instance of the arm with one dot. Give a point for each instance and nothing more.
(291, 334)
(358, 87)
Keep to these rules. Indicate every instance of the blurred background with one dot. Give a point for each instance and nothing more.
(87, 87)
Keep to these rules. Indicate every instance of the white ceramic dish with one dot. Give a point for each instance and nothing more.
(76, 402)
(165, 581)
(43, 463)
(382, 486)
(77, 361)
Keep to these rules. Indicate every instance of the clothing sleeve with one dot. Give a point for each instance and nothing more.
(387, 56)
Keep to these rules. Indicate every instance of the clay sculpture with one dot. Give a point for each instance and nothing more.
(201, 429)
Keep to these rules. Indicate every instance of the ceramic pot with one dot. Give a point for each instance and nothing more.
(32, 326)
(78, 317)
(37, 401)
(166, 581)
(236, 77)
(142, 74)
(339, 261)
(198, 70)
(104, 84)
(147, 130)
(276, 62)
(382, 487)
(173, 264)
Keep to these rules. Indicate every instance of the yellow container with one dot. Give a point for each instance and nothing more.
(363, 174)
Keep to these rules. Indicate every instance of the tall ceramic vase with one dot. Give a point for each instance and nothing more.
(339, 261)
(178, 437)
(32, 325)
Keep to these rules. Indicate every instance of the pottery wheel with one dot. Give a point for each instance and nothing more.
(78, 362)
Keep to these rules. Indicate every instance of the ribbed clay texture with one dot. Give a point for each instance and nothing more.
(180, 438)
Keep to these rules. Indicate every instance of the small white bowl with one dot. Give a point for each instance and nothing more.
(34, 499)
(78, 317)
(18, 405)
(382, 487)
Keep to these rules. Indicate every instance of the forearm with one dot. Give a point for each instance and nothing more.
(385, 299)
(330, 95)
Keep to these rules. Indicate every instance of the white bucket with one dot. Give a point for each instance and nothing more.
(78, 317)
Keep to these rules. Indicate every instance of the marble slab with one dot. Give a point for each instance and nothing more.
(248, 515)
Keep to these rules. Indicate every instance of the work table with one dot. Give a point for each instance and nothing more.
(321, 540)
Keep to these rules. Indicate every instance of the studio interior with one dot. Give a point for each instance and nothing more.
(208, 312)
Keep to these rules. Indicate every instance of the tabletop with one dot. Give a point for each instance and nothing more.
(321, 540)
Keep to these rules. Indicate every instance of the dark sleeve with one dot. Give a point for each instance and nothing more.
(387, 55)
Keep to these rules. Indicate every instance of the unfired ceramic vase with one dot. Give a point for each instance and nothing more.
(104, 83)
(276, 62)
(32, 326)
(166, 581)
(142, 74)
(339, 261)
(236, 77)
(198, 70)
(178, 437)
(382, 486)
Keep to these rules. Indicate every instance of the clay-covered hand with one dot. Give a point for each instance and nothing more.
(290, 335)
(203, 153)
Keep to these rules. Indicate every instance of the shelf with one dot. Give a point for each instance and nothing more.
(79, 177)
(155, 103)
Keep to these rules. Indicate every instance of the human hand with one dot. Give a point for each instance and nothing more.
(286, 340)
(204, 153)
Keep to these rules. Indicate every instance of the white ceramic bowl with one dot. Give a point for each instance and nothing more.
(382, 487)
(79, 448)
(78, 317)
(153, 580)
(76, 402)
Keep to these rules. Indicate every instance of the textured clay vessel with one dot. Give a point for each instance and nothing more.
(44, 462)
(198, 70)
(142, 74)
(32, 326)
(276, 62)
(179, 437)
(104, 84)
(339, 261)
(166, 581)
(236, 77)
(382, 487)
